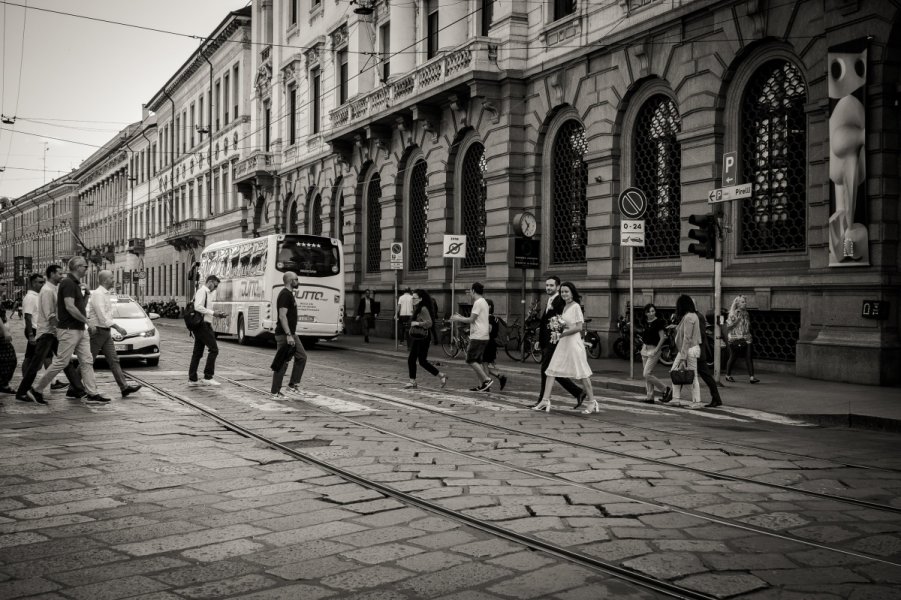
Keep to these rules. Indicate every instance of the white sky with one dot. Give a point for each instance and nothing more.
(85, 80)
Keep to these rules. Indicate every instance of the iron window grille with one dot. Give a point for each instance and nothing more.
(374, 224)
(775, 334)
(292, 217)
(419, 217)
(774, 126)
(474, 194)
(657, 163)
(314, 215)
(569, 202)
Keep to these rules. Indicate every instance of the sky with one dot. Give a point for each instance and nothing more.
(84, 80)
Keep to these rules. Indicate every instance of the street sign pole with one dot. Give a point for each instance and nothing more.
(631, 315)
(396, 341)
(717, 305)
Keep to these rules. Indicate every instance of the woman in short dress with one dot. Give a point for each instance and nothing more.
(419, 344)
(570, 359)
(653, 336)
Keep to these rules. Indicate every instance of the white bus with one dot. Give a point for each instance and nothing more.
(251, 273)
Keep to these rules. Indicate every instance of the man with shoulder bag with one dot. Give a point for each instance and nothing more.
(204, 336)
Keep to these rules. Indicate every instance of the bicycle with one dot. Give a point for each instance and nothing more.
(591, 339)
(452, 343)
(510, 337)
(530, 346)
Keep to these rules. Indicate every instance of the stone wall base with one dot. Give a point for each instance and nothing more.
(867, 365)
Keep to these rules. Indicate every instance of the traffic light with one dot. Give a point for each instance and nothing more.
(705, 234)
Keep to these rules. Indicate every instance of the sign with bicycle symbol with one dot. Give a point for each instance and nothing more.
(454, 246)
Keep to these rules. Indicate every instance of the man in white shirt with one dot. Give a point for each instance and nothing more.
(204, 337)
(405, 313)
(30, 311)
(101, 324)
(479, 332)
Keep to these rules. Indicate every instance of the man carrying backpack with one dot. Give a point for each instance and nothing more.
(204, 337)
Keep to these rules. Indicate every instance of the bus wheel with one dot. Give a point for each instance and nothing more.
(242, 337)
(309, 342)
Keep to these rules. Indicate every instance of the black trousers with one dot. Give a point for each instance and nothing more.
(419, 352)
(707, 377)
(43, 349)
(547, 352)
(204, 337)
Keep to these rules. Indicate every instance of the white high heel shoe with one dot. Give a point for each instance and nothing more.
(596, 408)
(544, 405)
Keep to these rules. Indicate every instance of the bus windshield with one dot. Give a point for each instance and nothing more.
(308, 257)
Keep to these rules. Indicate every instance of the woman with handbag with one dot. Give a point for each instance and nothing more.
(420, 338)
(739, 326)
(684, 371)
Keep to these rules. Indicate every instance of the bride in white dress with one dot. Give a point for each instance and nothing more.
(570, 359)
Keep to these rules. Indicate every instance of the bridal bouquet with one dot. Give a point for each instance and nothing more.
(556, 325)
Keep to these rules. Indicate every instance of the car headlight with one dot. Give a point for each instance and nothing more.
(115, 335)
(148, 333)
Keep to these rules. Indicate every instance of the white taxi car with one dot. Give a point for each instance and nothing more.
(141, 339)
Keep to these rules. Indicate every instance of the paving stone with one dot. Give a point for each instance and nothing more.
(374, 555)
(43, 550)
(18, 588)
(146, 532)
(435, 524)
(812, 576)
(593, 475)
(118, 570)
(723, 585)
(314, 569)
(197, 573)
(393, 517)
(879, 545)
(730, 561)
(190, 540)
(378, 536)
(670, 520)
(498, 513)
(777, 521)
(448, 580)
(732, 510)
(666, 565)
(532, 524)
(222, 551)
(819, 557)
(616, 550)
(265, 490)
(42, 512)
(48, 527)
(487, 548)
(116, 588)
(445, 539)
(52, 565)
(692, 546)
(431, 561)
(298, 591)
(313, 532)
(527, 560)
(20, 539)
(228, 587)
(374, 506)
(568, 539)
(464, 502)
(369, 577)
(543, 582)
(298, 553)
(316, 517)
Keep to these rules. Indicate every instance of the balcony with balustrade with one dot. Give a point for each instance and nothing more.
(464, 71)
(189, 233)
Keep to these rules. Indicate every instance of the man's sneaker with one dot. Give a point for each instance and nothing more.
(278, 396)
(23, 398)
(97, 398)
(410, 385)
(503, 380)
(293, 390)
(210, 382)
(131, 389)
(193, 382)
(58, 385)
(77, 394)
(35, 396)
(486, 385)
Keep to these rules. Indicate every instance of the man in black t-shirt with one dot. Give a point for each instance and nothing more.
(72, 335)
(286, 336)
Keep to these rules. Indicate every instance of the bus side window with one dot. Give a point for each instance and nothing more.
(258, 259)
(234, 262)
(244, 269)
(221, 263)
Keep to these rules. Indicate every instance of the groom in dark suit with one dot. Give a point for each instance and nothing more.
(553, 307)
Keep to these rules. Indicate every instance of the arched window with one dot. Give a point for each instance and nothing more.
(656, 164)
(314, 215)
(292, 217)
(419, 217)
(374, 224)
(569, 203)
(774, 160)
(472, 205)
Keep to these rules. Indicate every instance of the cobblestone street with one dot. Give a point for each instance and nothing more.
(381, 492)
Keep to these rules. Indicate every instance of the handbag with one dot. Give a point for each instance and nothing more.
(682, 376)
(418, 332)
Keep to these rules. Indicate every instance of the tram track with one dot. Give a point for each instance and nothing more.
(665, 588)
(625, 455)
